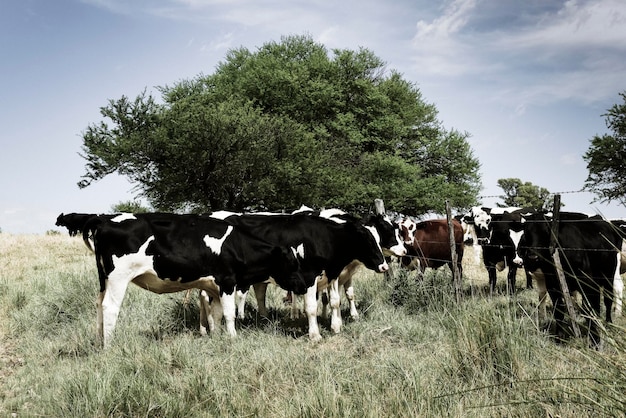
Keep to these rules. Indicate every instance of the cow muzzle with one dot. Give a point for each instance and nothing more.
(383, 267)
(396, 250)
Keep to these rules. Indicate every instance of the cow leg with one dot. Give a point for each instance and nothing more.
(529, 281)
(211, 313)
(241, 303)
(345, 280)
(349, 291)
(511, 278)
(216, 313)
(310, 307)
(205, 313)
(591, 306)
(260, 289)
(559, 313)
(111, 303)
(99, 321)
(542, 292)
(325, 300)
(618, 287)
(228, 305)
(335, 306)
(608, 303)
(491, 271)
(295, 310)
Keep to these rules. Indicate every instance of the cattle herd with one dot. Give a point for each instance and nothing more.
(306, 252)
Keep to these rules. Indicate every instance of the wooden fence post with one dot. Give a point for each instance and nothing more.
(379, 206)
(456, 274)
(554, 244)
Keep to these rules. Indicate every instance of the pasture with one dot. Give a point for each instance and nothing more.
(413, 351)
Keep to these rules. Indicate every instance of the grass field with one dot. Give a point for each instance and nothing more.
(414, 352)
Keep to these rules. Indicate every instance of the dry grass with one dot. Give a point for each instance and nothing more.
(415, 353)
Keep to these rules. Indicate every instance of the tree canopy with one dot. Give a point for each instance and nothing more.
(606, 157)
(524, 194)
(286, 125)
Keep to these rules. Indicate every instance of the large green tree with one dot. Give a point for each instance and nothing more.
(606, 157)
(285, 125)
(524, 194)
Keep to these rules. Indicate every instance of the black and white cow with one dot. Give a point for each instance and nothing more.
(167, 253)
(498, 231)
(480, 219)
(325, 246)
(74, 222)
(589, 250)
(390, 243)
(475, 226)
(499, 251)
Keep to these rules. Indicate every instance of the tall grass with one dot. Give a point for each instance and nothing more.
(413, 352)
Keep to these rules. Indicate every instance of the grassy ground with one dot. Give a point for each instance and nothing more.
(413, 352)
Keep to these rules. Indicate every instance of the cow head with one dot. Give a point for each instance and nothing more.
(367, 248)
(480, 218)
(407, 230)
(390, 240)
(533, 247)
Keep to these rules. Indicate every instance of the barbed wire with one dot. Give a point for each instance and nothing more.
(550, 194)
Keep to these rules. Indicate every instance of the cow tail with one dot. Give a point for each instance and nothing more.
(88, 232)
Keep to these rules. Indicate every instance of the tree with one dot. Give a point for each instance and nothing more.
(523, 194)
(606, 157)
(286, 125)
(130, 206)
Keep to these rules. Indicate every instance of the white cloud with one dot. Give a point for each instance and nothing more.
(437, 44)
(579, 24)
(221, 43)
(576, 52)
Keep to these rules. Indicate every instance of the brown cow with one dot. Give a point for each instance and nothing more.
(428, 244)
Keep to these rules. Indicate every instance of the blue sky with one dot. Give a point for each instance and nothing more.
(529, 80)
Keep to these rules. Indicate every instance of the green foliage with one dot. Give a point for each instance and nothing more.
(606, 156)
(524, 194)
(287, 124)
(130, 206)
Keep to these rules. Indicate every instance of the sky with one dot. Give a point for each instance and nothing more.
(529, 80)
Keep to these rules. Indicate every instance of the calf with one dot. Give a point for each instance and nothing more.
(499, 248)
(167, 253)
(428, 244)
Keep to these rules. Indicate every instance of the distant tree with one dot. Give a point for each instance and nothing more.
(286, 125)
(606, 157)
(130, 206)
(523, 194)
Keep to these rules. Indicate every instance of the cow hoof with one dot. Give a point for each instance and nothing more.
(315, 338)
